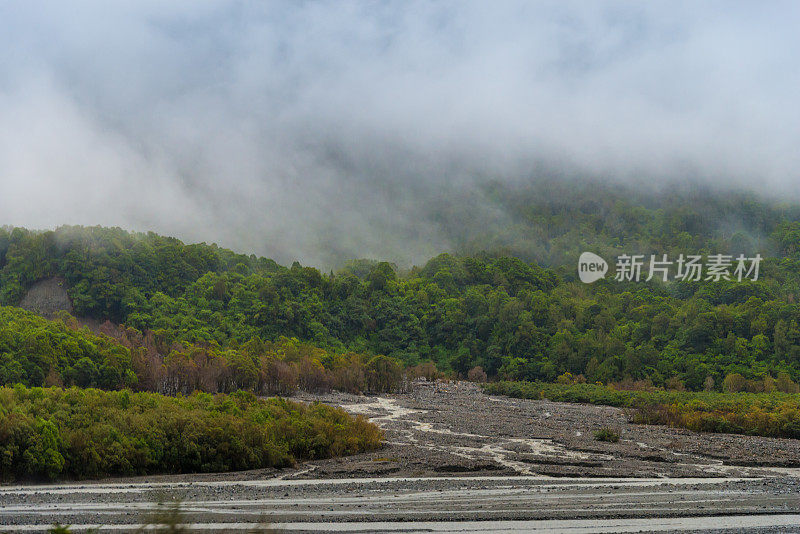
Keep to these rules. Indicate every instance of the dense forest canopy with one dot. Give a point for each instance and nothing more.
(506, 301)
(35, 351)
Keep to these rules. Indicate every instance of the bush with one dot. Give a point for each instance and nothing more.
(477, 374)
(734, 383)
(606, 434)
(56, 433)
(426, 370)
(384, 375)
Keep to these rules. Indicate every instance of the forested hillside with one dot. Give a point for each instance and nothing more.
(514, 318)
(35, 351)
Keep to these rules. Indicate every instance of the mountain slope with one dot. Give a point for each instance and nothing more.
(513, 318)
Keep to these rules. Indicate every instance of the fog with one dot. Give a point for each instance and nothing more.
(321, 131)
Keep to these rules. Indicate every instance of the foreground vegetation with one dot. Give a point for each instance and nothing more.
(77, 433)
(774, 414)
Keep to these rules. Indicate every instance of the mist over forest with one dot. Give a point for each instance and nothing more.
(323, 132)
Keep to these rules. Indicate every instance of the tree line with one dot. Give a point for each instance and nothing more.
(202, 309)
(38, 352)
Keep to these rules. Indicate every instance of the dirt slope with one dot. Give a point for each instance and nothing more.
(47, 298)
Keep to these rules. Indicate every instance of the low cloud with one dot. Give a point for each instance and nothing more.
(321, 131)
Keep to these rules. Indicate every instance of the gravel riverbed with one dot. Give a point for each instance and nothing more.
(457, 460)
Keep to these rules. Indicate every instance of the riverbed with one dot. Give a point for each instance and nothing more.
(457, 460)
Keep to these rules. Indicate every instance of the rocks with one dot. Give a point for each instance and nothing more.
(454, 427)
(251, 499)
(47, 298)
(455, 454)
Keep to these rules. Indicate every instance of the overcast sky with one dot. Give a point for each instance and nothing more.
(317, 130)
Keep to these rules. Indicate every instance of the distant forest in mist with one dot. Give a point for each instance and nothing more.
(506, 303)
(551, 222)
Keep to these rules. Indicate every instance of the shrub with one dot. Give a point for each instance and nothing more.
(55, 433)
(477, 374)
(734, 383)
(426, 370)
(606, 434)
(674, 384)
(384, 375)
